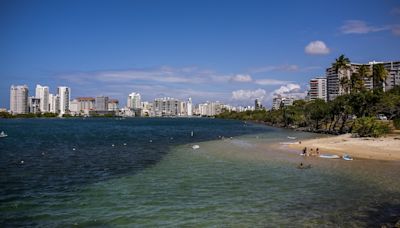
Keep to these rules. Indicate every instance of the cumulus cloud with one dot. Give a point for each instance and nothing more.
(285, 89)
(317, 48)
(241, 78)
(271, 82)
(360, 27)
(246, 95)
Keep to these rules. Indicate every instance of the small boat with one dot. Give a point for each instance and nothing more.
(291, 137)
(195, 147)
(3, 135)
(329, 156)
(347, 157)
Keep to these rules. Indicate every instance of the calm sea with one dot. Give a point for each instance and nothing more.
(144, 173)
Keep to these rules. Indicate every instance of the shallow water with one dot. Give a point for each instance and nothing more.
(249, 180)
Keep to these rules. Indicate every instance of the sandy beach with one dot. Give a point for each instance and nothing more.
(385, 148)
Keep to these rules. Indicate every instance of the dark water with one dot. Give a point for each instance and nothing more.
(73, 175)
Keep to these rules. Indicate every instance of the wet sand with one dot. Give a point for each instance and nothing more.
(385, 148)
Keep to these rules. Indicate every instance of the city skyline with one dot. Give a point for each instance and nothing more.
(232, 52)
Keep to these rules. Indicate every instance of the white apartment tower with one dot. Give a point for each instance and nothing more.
(318, 89)
(19, 99)
(42, 93)
(189, 107)
(54, 103)
(133, 101)
(64, 93)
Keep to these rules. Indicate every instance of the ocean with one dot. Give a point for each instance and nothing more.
(143, 172)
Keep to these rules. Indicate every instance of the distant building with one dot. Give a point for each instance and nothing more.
(42, 93)
(113, 105)
(64, 94)
(54, 103)
(146, 108)
(134, 100)
(279, 101)
(101, 103)
(189, 107)
(166, 106)
(318, 89)
(34, 105)
(19, 99)
(209, 108)
(257, 104)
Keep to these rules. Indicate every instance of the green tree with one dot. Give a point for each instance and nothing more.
(379, 76)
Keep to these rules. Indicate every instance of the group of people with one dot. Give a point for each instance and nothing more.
(310, 152)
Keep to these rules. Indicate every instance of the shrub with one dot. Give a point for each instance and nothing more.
(396, 123)
(370, 127)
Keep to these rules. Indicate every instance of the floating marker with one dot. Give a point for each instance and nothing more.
(22, 161)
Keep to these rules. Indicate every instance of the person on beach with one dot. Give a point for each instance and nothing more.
(304, 151)
(317, 151)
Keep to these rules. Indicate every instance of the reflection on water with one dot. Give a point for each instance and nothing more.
(244, 181)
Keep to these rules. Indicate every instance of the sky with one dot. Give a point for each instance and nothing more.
(228, 51)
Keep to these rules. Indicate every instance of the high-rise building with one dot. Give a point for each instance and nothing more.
(101, 103)
(210, 108)
(166, 106)
(113, 105)
(54, 103)
(279, 101)
(318, 89)
(64, 94)
(19, 99)
(335, 88)
(189, 107)
(133, 101)
(42, 93)
(34, 105)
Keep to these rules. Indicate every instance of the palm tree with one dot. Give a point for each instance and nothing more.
(358, 79)
(345, 83)
(342, 63)
(379, 75)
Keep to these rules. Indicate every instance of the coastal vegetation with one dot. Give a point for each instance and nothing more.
(356, 111)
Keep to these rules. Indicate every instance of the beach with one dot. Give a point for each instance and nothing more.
(384, 148)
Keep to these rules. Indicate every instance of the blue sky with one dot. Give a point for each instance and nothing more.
(231, 51)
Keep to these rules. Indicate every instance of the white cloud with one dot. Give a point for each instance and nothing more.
(285, 89)
(246, 95)
(360, 27)
(317, 48)
(271, 82)
(242, 78)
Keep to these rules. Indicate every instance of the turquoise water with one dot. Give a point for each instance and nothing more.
(246, 181)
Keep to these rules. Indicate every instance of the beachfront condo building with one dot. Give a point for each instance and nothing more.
(54, 103)
(64, 94)
(113, 105)
(189, 107)
(279, 101)
(166, 106)
(209, 108)
(19, 99)
(42, 93)
(318, 89)
(335, 88)
(34, 105)
(133, 101)
(101, 103)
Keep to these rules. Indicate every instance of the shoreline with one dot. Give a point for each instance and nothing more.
(384, 148)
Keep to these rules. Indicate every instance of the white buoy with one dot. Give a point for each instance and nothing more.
(191, 133)
(73, 148)
(124, 144)
(22, 161)
(150, 140)
(112, 145)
